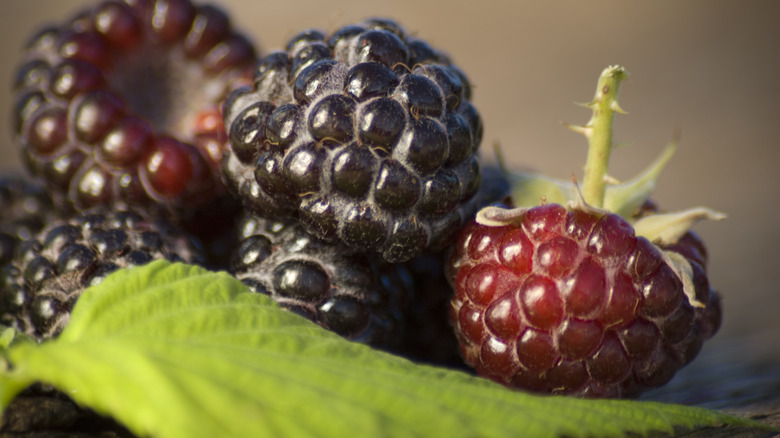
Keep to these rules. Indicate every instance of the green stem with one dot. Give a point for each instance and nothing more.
(599, 134)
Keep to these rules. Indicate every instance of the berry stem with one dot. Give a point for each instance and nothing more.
(599, 134)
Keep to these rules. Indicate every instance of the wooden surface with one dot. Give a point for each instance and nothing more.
(739, 376)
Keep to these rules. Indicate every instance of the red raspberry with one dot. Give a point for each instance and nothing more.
(604, 298)
(572, 301)
(121, 103)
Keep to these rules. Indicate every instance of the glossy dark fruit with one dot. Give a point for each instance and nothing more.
(51, 269)
(429, 337)
(121, 104)
(42, 411)
(573, 302)
(25, 209)
(357, 296)
(366, 135)
(214, 225)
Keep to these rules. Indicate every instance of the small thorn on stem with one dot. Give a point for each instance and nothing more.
(587, 130)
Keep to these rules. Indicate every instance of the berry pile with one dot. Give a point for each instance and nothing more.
(351, 153)
(341, 179)
(117, 119)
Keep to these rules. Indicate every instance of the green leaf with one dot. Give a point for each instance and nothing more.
(172, 350)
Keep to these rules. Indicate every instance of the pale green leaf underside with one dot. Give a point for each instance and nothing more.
(172, 350)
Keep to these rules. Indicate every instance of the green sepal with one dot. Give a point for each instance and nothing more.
(667, 228)
(624, 199)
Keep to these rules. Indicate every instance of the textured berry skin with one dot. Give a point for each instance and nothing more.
(25, 209)
(366, 135)
(41, 411)
(428, 337)
(572, 302)
(121, 103)
(51, 270)
(357, 296)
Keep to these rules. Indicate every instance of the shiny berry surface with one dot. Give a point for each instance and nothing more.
(367, 136)
(51, 268)
(573, 302)
(113, 106)
(357, 296)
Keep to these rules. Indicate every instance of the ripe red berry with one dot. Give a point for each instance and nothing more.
(572, 301)
(117, 105)
(605, 297)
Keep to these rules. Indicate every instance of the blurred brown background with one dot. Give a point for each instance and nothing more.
(710, 68)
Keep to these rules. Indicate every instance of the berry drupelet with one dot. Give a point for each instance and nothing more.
(366, 135)
(580, 299)
(39, 287)
(121, 103)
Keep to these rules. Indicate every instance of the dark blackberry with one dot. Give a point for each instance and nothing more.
(50, 271)
(214, 225)
(40, 411)
(428, 336)
(366, 135)
(121, 103)
(357, 296)
(24, 210)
